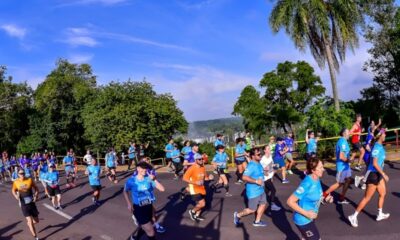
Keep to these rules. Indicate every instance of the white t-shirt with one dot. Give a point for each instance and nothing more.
(88, 159)
(267, 162)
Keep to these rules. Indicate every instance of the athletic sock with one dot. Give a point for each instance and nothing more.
(379, 211)
(356, 214)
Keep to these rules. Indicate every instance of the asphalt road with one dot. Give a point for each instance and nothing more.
(111, 220)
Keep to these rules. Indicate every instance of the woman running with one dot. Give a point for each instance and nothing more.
(219, 161)
(53, 188)
(305, 201)
(268, 165)
(240, 159)
(376, 181)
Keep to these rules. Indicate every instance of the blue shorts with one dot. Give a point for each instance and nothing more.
(239, 162)
(280, 162)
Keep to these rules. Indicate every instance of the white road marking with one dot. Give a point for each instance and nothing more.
(56, 211)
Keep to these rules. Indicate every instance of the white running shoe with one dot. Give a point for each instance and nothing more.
(382, 216)
(364, 186)
(353, 220)
(275, 207)
(357, 180)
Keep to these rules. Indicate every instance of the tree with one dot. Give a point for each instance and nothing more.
(327, 27)
(290, 89)
(59, 101)
(15, 107)
(131, 111)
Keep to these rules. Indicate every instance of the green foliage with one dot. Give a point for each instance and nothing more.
(59, 101)
(15, 107)
(209, 149)
(122, 112)
(290, 89)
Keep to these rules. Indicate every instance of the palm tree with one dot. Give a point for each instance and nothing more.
(327, 27)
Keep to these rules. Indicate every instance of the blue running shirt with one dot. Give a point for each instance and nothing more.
(255, 171)
(342, 146)
(94, 175)
(377, 152)
(142, 191)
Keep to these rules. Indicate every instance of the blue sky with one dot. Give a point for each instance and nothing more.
(202, 51)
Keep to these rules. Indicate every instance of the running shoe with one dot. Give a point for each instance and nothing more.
(259, 224)
(239, 182)
(364, 186)
(198, 218)
(285, 181)
(97, 203)
(353, 220)
(228, 195)
(192, 215)
(382, 216)
(275, 207)
(60, 207)
(55, 207)
(176, 178)
(236, 219)
(160, 229)
(357, 180)
(344, 201)
(290, 172)
(358, 168)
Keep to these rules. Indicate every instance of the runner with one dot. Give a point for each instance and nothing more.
(186, 149)
(14, 175)
(176, 160)
(187, 163)
(8, 168)
(355, 131)
(131, 154)
(240, 153)
(141, 188)
(43, 169)
(219, 140)
(68, 162)
(26, 193)
(142, 150)
(279, 160)
(268, 165)
(195, 177)
(248, 141)
(168, 150)
(305, 201)
(343, 159)
(93, 172)
(311, 141)
(272, 143)
(253, 176)
(376, 181)
(111, 165)
(289, 143)
(35, 166)
(53, 188)
(219, 162)
(88, 158)
(367, 155)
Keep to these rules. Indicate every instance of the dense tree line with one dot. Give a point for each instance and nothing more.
(69, 110)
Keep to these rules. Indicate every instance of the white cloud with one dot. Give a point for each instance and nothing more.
(80, 37)
(205, 92)
(14, 30)
(80, 58)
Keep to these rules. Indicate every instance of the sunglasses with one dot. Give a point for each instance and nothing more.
(200, 159)
(21, 173)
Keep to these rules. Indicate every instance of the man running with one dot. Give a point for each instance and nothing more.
(68, 162)
(187, 163)
(141, 188)
(88, 158)
(219, 161)
(355, 131)
(195, 177)
(93, 171)
(176, 160)
(270, 190)
(343, 159)
(257, 201)
(111, 165)
(311, 141)
(131, 154)
(168, 153)
(26, 193)
(279, 160)
(240, 159)
(289, 143)
(219, 140)
(53, 188)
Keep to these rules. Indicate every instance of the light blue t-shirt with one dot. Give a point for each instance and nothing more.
(43, 170)
(220, 159)
(377, 152)
(131, 152)
(309, 194)
(142, 191)
(94, 175)
(255, 171)
(175, 156)
(110, 159)
(312, 145)
(52, 178)
(169, 147)
(219, 142)
(185, 151)
(240, 149)
(68, 160)
(342, 146)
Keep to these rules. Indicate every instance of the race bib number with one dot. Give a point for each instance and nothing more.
(27, 200)
(144, 202)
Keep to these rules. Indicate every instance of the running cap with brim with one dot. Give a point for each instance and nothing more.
(198, 156)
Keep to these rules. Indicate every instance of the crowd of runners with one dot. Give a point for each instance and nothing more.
(255, 170)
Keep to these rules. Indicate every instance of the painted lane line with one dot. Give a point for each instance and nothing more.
(58, 212)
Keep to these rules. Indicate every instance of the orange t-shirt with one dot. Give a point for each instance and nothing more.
(196, 173)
